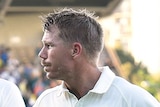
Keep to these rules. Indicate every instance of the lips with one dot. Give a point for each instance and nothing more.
(46, 68)
(45, 64)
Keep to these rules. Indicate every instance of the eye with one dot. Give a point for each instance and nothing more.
(49, 46)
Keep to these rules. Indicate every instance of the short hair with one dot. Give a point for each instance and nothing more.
(77, 26)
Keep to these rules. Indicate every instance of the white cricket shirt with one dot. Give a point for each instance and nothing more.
(109, 91)
(10, 95)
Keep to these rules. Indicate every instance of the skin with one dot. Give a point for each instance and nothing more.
(67, 62)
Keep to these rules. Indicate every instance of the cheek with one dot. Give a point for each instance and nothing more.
(59, 56)
(51, 54)
(54, 56)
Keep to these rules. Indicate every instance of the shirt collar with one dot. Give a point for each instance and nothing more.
(62, 89)
(102, 85)
(105, 80)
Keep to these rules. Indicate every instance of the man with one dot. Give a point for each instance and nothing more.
(72, 42)
(10, 95)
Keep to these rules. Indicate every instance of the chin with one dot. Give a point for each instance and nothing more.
(49, 76)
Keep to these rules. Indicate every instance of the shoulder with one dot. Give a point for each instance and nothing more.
(3, 81)
(133, 94)
(47, 95)
(9, 89)
(126, 87)
(50, 91)
(10, 94)
(7, 85)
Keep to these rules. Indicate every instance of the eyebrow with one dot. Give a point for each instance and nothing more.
(47, 42)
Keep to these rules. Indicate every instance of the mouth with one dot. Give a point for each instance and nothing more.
(46, 68)
(45, 65)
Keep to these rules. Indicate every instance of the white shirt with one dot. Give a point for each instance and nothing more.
(10, 95)
(109, 91)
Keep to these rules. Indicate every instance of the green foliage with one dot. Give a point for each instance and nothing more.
(124, 56)
(138, 74)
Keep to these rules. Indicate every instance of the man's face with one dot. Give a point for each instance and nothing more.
(55, 55)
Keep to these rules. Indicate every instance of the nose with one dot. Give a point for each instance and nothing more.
(43, 53)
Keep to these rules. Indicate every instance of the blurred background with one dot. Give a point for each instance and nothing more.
(131, 32)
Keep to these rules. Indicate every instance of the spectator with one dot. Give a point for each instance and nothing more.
(10, 95)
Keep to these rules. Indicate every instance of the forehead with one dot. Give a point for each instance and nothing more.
(51, 36)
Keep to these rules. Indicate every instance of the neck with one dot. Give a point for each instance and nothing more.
(84, 80)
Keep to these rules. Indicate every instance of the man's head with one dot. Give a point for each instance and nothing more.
(77, 26)
(71, 39)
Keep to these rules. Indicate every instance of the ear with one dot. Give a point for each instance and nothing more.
(76, 49)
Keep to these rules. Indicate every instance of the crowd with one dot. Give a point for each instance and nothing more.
(28, 76)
